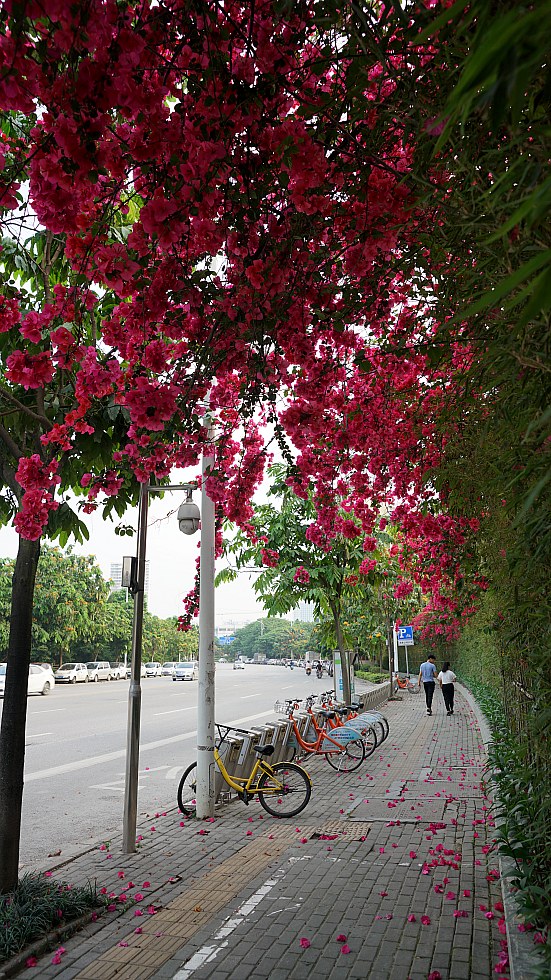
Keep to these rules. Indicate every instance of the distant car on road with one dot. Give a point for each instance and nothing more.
(99, 670)
(153, 669)
(188, 671)
(238, 665)
(167, 669)
(118, 672)
(41, 680)
(72, 674)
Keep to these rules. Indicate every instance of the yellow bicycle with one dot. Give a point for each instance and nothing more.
(283, 789)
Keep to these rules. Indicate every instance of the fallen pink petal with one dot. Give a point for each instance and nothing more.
(305, 943)
(345, 949)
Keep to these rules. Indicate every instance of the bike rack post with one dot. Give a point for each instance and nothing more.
(305, 726)
(227, 751)
(244, 762)
(287, 742)
(281, 739)
(266, 735)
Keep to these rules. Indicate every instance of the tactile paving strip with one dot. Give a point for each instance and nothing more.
(163, 934)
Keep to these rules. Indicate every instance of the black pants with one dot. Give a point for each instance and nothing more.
(448, 692)
(429, 692)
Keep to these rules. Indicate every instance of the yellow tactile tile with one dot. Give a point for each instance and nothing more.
(172, 927)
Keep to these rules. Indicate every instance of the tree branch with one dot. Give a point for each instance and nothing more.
(24, 408)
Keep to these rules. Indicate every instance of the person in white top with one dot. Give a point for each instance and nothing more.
(446, 679)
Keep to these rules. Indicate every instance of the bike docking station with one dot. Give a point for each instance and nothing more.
(238, 755)
(237, 748)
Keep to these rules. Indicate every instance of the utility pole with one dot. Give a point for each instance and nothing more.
(135, 690)
(205, 797)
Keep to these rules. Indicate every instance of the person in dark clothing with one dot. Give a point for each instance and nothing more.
(427, 675)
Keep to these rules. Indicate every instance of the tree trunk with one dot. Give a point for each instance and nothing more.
(345, 664)
(14, 715)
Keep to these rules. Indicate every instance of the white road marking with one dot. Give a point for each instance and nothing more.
(99, 760)
(38, 734)
(117, 785)
(174, 711)
(174, 772)
(45, 711)
(208, 953)
(245, 696)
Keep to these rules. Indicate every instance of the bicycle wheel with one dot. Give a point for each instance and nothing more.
(369, 738)
(368, 732)
(285, 791)
(383, 723)
(187, 790)
(349, 758)
(378, 720)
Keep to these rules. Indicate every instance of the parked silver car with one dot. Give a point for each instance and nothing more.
(41, 679)
(72, 674)
(99, 670)
(188, 671)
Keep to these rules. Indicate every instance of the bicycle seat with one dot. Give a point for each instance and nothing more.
(264, 749)
(326, 714)
(341, 711)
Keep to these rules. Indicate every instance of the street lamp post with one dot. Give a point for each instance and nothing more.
(135, 690)
(189, 523)
(205, 796)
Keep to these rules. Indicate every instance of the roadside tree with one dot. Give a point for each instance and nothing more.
(274, 638)
(295, 563)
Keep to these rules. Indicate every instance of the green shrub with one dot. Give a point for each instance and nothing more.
(374, 676)
(524, 818)
(36, 907)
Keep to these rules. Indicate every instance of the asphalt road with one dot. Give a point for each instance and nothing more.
(76, 749)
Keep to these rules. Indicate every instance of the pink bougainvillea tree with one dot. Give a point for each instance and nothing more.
(215, 208)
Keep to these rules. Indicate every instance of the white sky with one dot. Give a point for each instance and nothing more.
(171, 556)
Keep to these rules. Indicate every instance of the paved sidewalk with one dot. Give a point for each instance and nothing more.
(388, 874)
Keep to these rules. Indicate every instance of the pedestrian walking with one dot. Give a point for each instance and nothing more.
(427, 674)
(446, 679)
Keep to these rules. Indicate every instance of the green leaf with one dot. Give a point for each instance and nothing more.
(490, 298)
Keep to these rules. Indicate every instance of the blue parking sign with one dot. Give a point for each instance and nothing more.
(405, 636)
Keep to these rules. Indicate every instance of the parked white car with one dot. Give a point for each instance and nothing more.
(118, 672)
(167, 669)
(99, 670)
(188, 671)
(153, 669)
(72, 674)
(41, 679)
